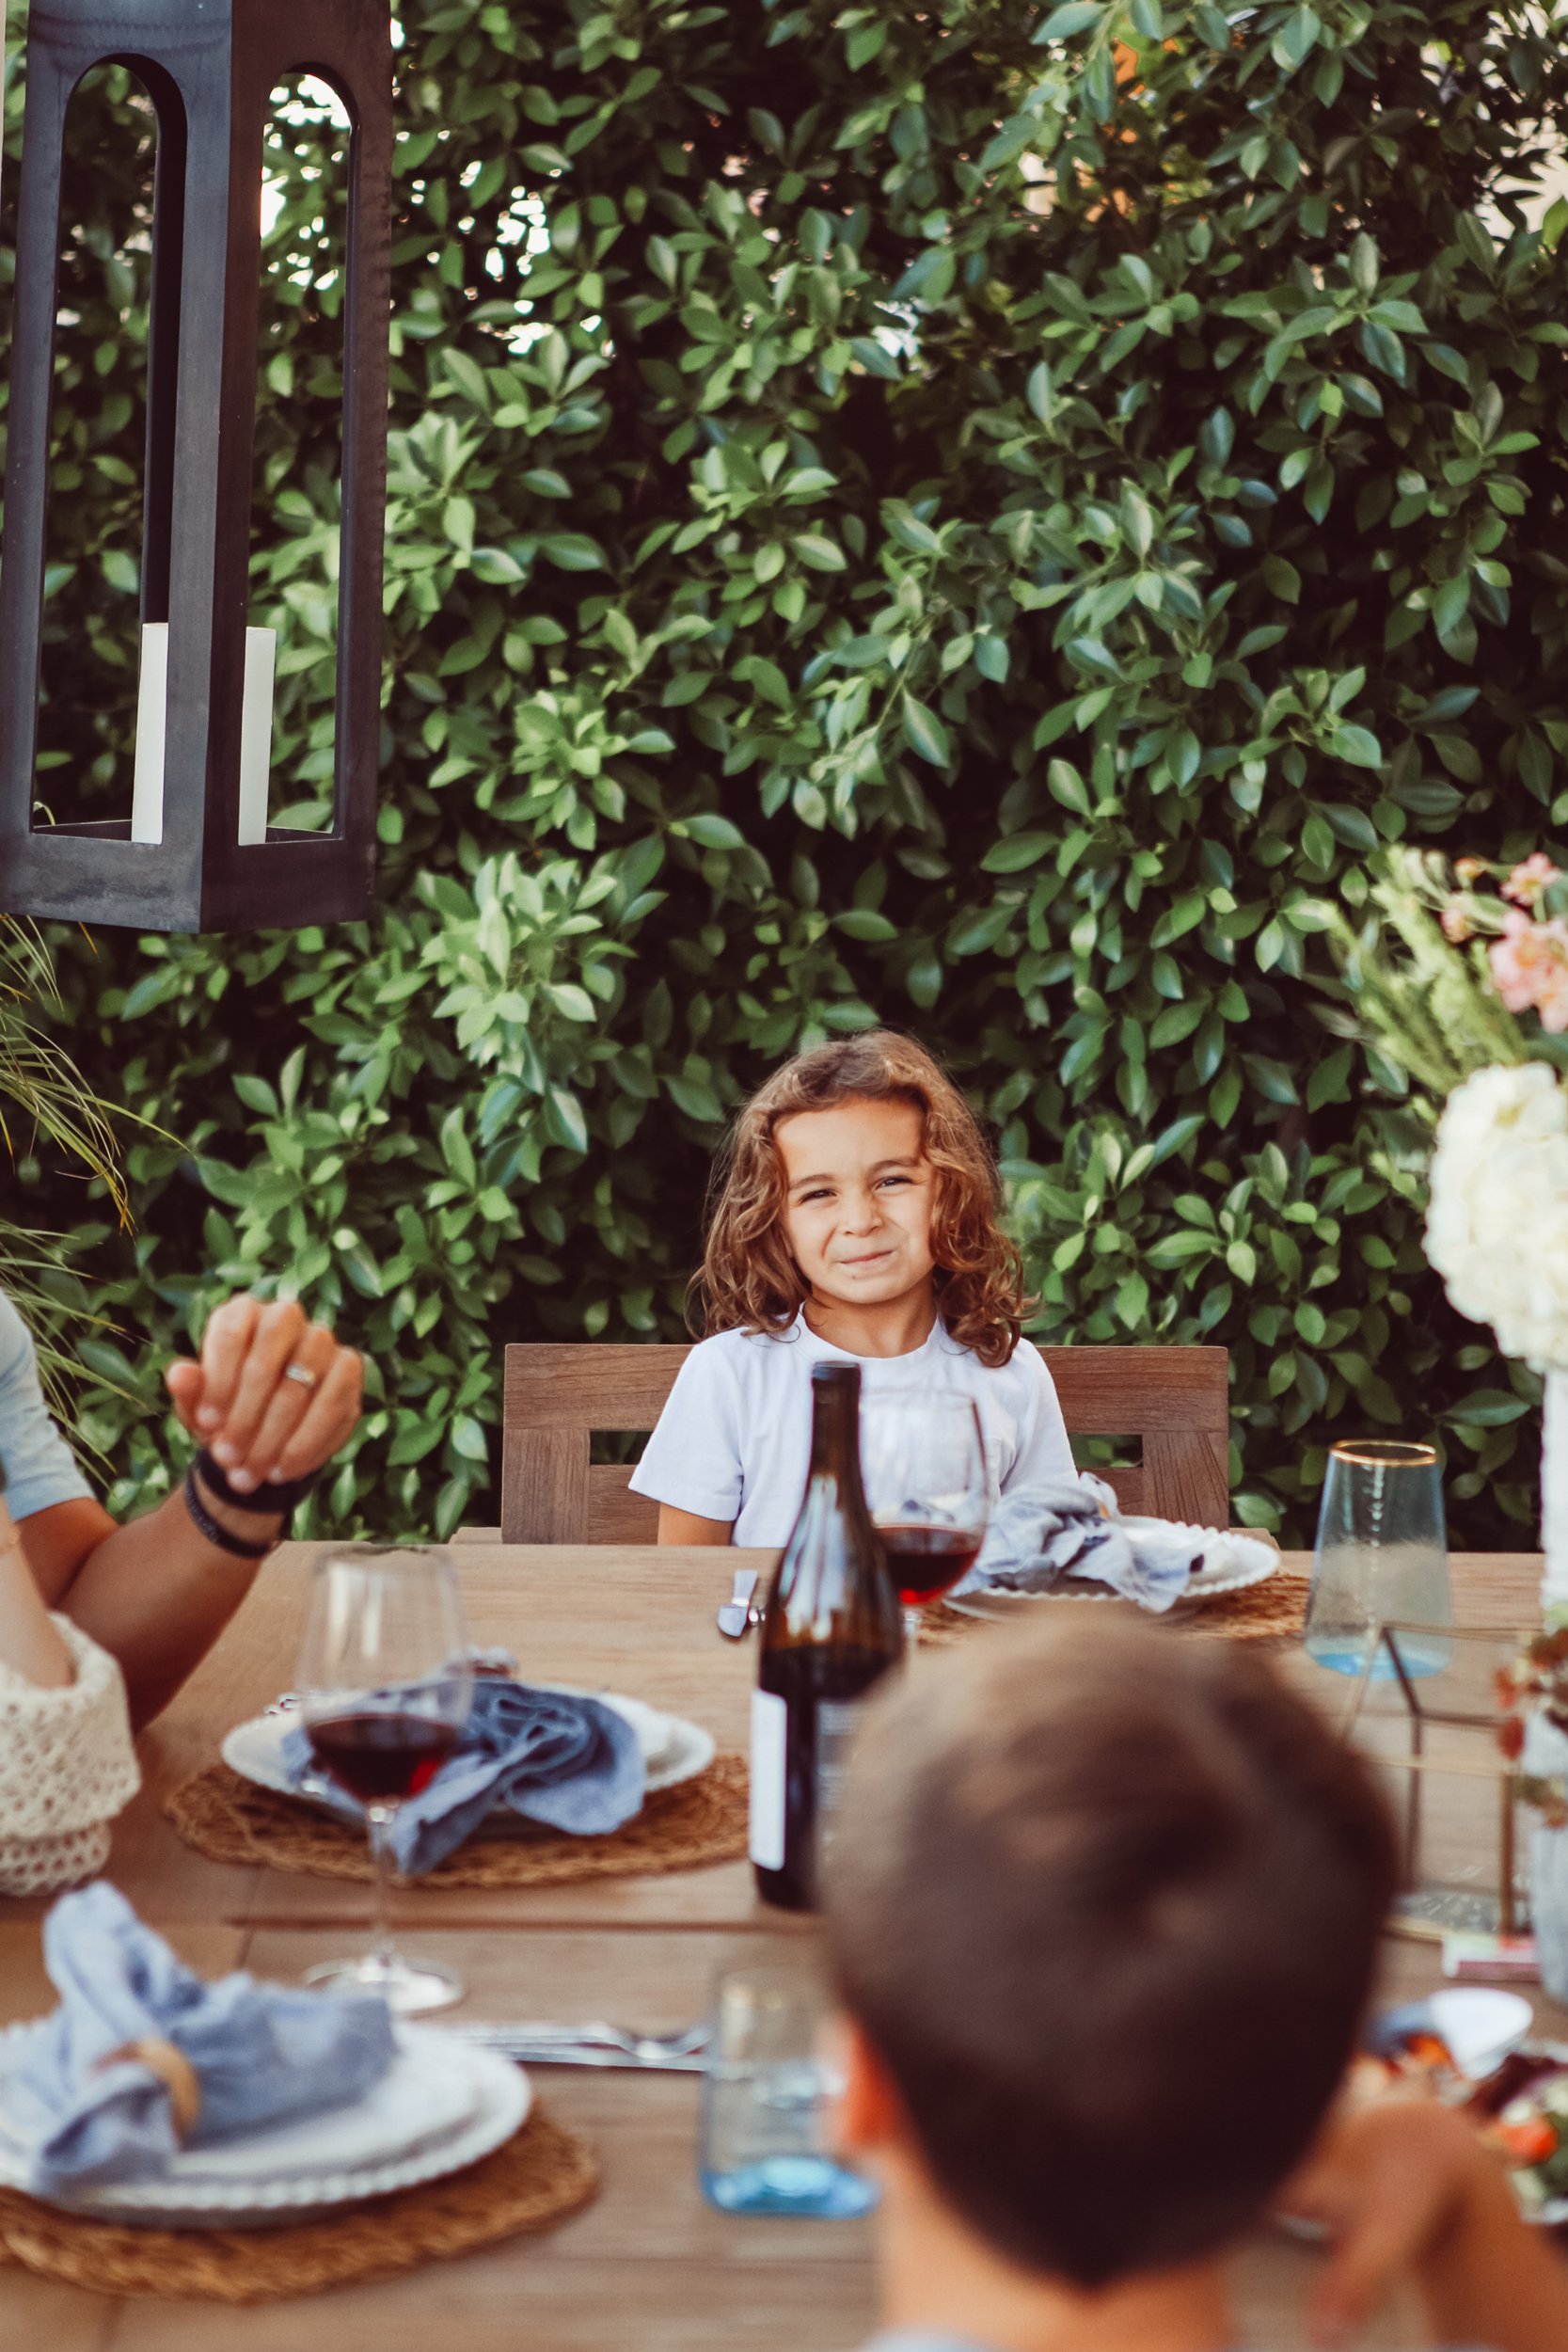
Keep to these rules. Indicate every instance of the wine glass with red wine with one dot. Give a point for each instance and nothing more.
(384, 1680)
(923, 1463)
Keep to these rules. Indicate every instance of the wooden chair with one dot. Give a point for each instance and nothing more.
(1174, 1400)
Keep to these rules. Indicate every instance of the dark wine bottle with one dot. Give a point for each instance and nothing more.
(831, 1626)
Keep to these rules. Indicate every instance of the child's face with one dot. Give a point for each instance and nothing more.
(858, 1204)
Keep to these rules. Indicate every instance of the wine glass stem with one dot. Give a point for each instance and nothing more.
(912, 1628)
(382, 1952)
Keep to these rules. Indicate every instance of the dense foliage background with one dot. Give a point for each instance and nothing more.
(976, 519)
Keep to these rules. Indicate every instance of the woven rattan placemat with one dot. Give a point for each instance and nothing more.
(699, 1820)
(1274, 1611)
(542, 2174)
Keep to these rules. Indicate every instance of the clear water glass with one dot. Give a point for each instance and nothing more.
(1382, 1559)
(768, 2097)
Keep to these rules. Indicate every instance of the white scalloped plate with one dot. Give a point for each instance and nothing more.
(443, 2104)
(673, 1750)
(1259, 1561)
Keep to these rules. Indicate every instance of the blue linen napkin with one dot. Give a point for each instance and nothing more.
(572, 1763)
(1071, 1526)
(264, 2054)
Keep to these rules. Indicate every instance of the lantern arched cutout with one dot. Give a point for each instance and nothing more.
(182, 862)
(91, 649)
(297, 462)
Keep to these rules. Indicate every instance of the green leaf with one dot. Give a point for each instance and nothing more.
(822, 554)
(571, 551)
(924, 733)
(1488, 1408)
(1076, 16)
(1358, 746)
(714, 833)
(1016, 852)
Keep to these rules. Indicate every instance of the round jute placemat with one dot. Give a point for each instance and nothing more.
(702, 1820)
(540, 2175)
(1274, 1611)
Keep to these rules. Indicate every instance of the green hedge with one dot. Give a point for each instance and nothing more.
(974, 518)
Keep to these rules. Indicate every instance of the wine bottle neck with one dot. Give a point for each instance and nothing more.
(836, 1451)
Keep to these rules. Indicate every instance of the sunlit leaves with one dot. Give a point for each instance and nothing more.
(986, 520)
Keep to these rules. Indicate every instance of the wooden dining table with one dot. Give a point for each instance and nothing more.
(649, 2265)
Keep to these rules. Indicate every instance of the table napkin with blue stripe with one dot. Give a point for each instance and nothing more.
(81, 2113)
(569, 1762)
(1042, 1538)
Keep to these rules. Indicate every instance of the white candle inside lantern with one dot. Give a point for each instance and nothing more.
(147, 788)
(260, 663)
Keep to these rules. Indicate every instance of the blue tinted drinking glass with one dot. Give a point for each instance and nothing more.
(767, 2101)
(1382, 1559)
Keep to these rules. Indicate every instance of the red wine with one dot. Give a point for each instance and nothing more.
(830, 1628)
(928, 1560)
(379, 1757)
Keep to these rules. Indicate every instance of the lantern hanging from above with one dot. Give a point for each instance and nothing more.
(197, 853)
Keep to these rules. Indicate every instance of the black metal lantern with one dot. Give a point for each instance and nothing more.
(197, 853)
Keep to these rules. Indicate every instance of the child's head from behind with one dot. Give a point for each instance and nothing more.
(1104, 1903)
(857, 1171)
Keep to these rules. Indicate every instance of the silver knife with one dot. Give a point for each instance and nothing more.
(737, 1615)
(595, 2045)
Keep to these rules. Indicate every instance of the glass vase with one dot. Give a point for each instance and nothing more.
(1553, 1498)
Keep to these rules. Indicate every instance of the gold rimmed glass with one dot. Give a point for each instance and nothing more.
(1382, 1558)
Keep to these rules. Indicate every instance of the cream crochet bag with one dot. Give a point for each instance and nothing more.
(66, 1767)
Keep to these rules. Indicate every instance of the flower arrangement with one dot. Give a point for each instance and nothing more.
(1459, 979)
(1536, 1686)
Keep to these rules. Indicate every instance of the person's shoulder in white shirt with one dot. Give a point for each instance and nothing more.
(734, 1440)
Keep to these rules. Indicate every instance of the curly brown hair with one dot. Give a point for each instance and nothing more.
(748, 1280)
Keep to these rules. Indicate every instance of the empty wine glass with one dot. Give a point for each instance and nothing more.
(384, 1681)
(922, 1464)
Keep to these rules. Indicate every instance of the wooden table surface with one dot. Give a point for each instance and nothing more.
(650, 2265)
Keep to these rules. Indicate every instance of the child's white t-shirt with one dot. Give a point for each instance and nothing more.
(733, 1442)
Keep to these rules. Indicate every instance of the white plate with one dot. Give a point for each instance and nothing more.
(672, 1749)
(441, 2104)
(1245, 1560)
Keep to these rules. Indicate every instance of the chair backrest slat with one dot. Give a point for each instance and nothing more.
(1174, 1400)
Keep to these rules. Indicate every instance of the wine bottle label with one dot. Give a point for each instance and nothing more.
(837, 1722)
(769, 1744)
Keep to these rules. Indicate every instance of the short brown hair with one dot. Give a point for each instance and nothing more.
(1105, 1899)
(748, 1280)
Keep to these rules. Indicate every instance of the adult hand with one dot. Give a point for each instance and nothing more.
(1389, 2182)
(272, 1395)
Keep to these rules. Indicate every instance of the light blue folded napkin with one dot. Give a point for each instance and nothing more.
(571, 1763)
(1072, 1527)
(264, 2054)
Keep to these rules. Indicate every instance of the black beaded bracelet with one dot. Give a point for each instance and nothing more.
(280, 1494)
(206, 1525)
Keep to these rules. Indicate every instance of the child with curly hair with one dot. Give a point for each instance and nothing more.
(855, 1218)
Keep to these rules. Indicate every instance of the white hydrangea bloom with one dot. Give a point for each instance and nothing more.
(1497, 1225)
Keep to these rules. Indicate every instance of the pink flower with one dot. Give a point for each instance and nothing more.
(1456, 923)
(1470, 870)
(1530, 968)
(1527, 882)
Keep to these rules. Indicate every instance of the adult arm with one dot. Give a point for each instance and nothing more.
(30, 1644)
(1406, 2186)
(157, 1592)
